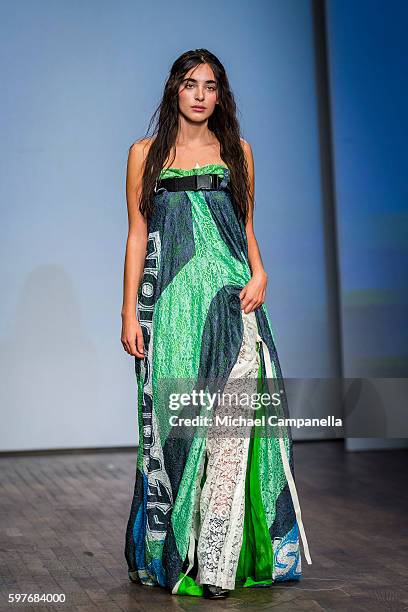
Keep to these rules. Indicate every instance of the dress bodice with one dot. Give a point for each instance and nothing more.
(207, 169)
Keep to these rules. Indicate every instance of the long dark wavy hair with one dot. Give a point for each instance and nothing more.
(223, 123)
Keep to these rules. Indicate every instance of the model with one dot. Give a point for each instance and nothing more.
(210, 511)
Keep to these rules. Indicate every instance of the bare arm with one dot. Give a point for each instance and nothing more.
(253, 294)
(132, 337)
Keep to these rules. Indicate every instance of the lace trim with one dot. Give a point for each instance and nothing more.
(221, 506)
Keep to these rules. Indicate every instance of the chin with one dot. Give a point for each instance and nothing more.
(198, 117)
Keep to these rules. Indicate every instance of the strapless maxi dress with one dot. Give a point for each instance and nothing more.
(217, 509)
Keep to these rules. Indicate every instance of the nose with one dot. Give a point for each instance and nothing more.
(200, 93)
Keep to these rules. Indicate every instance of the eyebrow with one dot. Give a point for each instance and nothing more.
(195, 80)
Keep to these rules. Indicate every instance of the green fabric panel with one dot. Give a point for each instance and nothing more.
(249, 582)
(272, 474)
(189, 587)
(255, 563)
(207, 169)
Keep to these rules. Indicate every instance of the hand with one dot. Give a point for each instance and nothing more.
(132, 336)
(253, 294)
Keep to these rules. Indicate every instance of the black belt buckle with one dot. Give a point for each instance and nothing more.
(204, 181)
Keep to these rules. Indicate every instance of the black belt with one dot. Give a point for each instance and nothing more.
(193, 182)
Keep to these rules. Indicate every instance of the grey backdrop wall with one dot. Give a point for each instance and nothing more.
(80, 82)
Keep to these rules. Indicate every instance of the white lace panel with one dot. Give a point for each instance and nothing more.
(222, 502)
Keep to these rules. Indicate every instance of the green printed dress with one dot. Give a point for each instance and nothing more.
(218, 510)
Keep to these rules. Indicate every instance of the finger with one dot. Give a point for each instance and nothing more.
(139, 344)
(250, 306)
(136, 352)
(132, 346)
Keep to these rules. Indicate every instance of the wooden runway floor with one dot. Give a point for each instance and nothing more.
(63, 519)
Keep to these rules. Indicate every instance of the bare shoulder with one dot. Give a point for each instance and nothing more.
(139, 150)
(136, 161)
(248, 152)
(246, 146)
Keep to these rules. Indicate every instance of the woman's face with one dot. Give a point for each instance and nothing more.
(198, 93)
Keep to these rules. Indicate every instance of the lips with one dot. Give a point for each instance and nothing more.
(198, 108)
